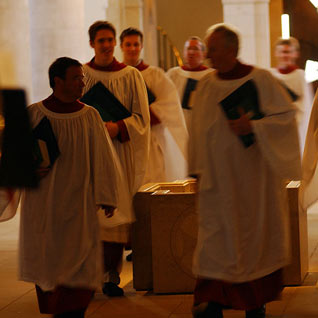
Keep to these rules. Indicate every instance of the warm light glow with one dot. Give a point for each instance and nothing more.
(311, 71)
(314, 3)
(285, 26)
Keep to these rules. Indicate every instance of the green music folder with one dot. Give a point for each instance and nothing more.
(108, 106)
(243, 99)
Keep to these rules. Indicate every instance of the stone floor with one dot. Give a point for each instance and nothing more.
(18, 299)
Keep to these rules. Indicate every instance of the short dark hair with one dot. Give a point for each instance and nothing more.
(100, 25)
(59, 67)
(130, 31)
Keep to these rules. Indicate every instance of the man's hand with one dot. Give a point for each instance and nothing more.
(109, 210)
(241, 126)
(112, 128)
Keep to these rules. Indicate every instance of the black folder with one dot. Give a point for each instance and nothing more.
(290, 92)
(45, 146)
(17, 164)
(188, 91)
(108, 106)
(244, 98)
(151, 96)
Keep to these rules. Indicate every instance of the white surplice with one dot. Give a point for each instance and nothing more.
(296, 82)
(128, 86)
(309, 183)
(243, 216)
(59, 232)
(180, 77)
(168, 146)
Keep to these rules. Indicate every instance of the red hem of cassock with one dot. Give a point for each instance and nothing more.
(242, 296)
(63, 299)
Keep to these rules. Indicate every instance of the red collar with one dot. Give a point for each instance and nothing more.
(141, 66)
(55, 105)
(114, 66)
(288, 69)
(240, 70)
(197, 69)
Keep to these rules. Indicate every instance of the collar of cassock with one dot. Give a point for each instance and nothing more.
(114, 66)
(240, 70)
(197, 69)
(141, 66)
(55, 105)
(288, 69)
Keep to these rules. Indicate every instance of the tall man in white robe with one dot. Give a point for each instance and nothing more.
(243, 228)
(130, 136)
(169, 136)
(287, 71)
(59, 234)
(192, 70)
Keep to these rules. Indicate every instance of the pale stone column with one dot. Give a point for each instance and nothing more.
(251, 17)
(150, 32)
(57, 29)
(94, 10)
(123, 14)
(15, 41)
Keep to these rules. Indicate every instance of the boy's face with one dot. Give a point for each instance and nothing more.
(286, 55)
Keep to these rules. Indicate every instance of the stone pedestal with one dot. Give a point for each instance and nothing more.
(165, 233)
(295, 273)
(162, 251)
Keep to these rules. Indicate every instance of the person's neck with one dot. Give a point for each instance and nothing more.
(65, 99)
(131, 62)
(192, 67)
(103, 62)
(228, 66)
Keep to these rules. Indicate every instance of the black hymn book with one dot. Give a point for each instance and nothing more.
(243, 99)
(108, 106)
(188, 93)
(45, 146)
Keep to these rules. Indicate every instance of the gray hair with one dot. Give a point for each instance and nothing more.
(230, 33)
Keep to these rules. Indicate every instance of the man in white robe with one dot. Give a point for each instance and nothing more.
(130, 136)
(193, 69)
(243, 227)
(59, 234)
(169, 136)
(287, 71)
(309, 183)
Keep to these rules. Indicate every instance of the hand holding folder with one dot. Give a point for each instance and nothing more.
(243, 100)
(108, 106)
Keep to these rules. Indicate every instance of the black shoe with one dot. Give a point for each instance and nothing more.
(129, 257)
(207, 310)
(112, 290)
(256, 313)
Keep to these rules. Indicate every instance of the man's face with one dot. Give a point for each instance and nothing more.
(104, 45)
(72, 86)
(286, 55)
(193, 54)
(131, 48)
(217, 51)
